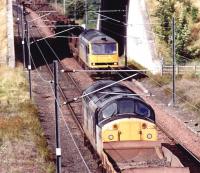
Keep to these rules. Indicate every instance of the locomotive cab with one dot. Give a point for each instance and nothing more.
(116, 114)
(127, 119)
(98, 50)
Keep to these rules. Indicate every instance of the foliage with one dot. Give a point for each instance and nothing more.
(182, 38)
(165, 11)
(76, 9)
(194, 13)
(160, 81)
(184, 13)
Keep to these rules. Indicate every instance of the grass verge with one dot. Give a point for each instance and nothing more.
(23, 147)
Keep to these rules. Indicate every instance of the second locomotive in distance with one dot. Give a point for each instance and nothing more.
(95, 49)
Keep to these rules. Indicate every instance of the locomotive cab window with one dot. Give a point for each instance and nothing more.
(109, 111)
(87, 49)
(142, 109)
(102, 49)
(126, 106)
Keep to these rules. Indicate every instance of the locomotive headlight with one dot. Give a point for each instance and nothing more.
(110, 137)
(144, 125)
(115, 126)
(149, 135)
(115, 63)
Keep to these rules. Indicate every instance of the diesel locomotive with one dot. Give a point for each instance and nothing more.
(120, 127)
(116, 114)
(95, 50)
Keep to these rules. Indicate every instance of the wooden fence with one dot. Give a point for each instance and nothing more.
(167, 69)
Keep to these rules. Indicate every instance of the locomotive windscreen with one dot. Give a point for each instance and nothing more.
(113, 103)
(103, 49)
(124, 106)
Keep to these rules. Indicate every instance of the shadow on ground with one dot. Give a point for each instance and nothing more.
(42, 52)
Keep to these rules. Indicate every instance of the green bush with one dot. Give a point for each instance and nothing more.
(183, 17)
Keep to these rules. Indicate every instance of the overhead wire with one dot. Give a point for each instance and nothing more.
(107, 86)
(106, 11)
(125, 24)
(168, 90)
(70, 133)
(65, 120)
(43, 57)
(140, 72)
(127, 36)
(54, 34)
(63, 115)
(42, 78)
(159, 35)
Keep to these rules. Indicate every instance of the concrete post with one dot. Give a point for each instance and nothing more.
(3, 32)
(10, 35)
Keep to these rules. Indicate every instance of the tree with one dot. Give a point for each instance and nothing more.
(164, 12)
(182, 38)
(76, 9)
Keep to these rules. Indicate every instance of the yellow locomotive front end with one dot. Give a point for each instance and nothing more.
(129, 129)
(97, 50)
(103, 55)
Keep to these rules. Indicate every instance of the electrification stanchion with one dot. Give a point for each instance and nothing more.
(174, 62)
(58, 148)
(125, 38)
(29, 62)
(23, 30)
(18, 20)
(64, 4)
(86, 14)
(28, 51)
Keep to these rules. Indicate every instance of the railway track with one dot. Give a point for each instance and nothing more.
(182, 154)
(73, 150)
(67, 90)
(71, 119)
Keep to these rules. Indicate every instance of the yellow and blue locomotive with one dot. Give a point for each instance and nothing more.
(116, 114)
(121, 128)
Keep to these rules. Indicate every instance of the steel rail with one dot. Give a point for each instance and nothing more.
(74, 116)
(157, 125)
(176, 141)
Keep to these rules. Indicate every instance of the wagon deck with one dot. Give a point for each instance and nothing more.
(140, 157)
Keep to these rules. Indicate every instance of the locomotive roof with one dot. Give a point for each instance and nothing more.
(110, 93)
(93, 35)
(99, 98)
